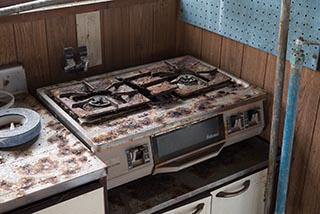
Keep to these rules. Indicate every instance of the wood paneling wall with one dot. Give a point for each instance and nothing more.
(132, 34)
(258, 68)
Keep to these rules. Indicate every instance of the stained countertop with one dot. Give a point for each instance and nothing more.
(53, 162)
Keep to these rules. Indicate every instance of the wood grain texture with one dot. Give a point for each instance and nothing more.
(231, 56)
(253, 65)
(190, 38)
(141, 33)
(116, 38)
(31, 42)
(89, 34)
(164, 31)
(305, 127)
(311, 197)
(211, 47)
(8, 53)
(71, 9)
(268, 85)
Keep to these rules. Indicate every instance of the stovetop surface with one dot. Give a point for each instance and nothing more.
(146, 99)
(88, 101)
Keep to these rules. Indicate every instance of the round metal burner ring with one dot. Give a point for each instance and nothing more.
(188, 79)
(99, 101)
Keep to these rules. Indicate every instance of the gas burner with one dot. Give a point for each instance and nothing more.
(99, 101)
(187, 79)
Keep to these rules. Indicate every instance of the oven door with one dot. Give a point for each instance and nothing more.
(188, 145)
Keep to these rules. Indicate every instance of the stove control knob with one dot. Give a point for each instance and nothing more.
(235, 123)
(253, 117)
(137, 156)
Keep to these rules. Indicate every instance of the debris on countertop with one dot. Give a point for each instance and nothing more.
(53, 162)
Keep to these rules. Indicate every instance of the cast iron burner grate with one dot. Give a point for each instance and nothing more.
(100, 99)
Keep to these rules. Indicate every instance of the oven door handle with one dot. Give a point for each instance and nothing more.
(180, 163)
(199, 208)
(245, 187)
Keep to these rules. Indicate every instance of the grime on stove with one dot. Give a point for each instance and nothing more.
(89, 101)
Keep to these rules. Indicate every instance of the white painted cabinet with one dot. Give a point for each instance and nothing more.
(88, 203)
(245, 196)
(202, 206)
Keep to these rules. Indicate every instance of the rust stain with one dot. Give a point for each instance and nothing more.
(43, 165)
(144, 114)
(83, 159)
(6, 185)
(21, 153)
(145, 121)
(49, 180)
(203, 105)
(78, 151)
(64, 148)
(55, 125)
(178, 112)
(131, 124)
(159, 119)
(26, 182)
(106, 137)
(71, 166)
(58, 138)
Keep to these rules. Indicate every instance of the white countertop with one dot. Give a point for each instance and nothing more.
(54, 162)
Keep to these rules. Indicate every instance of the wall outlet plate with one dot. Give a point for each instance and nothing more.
(13, 79)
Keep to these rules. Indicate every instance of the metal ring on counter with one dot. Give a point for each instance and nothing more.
(29, 126)
(10, 103)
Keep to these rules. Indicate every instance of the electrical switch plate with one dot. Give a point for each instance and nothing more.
(13, 79)
(89, 34)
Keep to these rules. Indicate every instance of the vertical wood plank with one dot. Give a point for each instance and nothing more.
(61, 33)
(253, 65)
(89, 34)
(189, 40)
(211, 48)
(116, 38)
(8, 52)
(141, 33)
(306, 118)
(164, 32)
(311, 197)
(231, 56)
(269, 87)
(32, 51)
(179, 37)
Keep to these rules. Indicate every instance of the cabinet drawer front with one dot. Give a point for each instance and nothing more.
(202, 206)
(88, 203)
(245, 196)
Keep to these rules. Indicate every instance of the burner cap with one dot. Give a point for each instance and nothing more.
(188, 79)
(99, 101)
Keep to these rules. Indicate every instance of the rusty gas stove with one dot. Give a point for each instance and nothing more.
(118, 114)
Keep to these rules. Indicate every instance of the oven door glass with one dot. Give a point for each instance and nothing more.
(187, 139)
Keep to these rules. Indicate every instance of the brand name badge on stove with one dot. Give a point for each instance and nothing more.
(210, 136)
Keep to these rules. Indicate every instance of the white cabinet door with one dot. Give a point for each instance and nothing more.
(245, 196)
(88, 203)
(202, 206)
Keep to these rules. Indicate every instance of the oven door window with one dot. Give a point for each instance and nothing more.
(187, 139)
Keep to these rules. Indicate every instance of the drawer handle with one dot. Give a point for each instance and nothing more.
(246, 185)
(199, 208)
